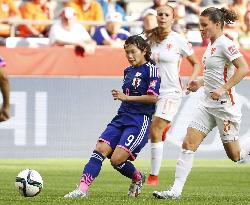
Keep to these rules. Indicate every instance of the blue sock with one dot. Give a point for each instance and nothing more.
(91, 170)
(127, 169)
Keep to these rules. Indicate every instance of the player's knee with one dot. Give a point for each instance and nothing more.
(189, 145)
(156, 133)
(103, 148)
(115, 161)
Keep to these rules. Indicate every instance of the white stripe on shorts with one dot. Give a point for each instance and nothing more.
(141, 134)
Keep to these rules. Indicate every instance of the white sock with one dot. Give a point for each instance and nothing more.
(183, 168)
(156, 157)
(244, 149)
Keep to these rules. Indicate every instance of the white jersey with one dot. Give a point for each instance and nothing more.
(218, 69)
(76, 34)
(168, 55)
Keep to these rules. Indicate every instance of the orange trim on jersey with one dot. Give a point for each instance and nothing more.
(226, 66)
(179, 67)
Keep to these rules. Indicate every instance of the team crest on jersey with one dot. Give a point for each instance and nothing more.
(213, 51)
(169, 46)
(233, 50)
(136, 81)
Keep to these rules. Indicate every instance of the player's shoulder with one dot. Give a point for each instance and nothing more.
(227, 45)
(178, 39)
(128, 68)
(151, 69)
(225, 41)
(177, 36)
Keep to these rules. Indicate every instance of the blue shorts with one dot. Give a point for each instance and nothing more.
(128, 131)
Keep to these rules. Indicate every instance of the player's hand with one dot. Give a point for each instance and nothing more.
(4, 114)
(117, 95)
(193, 86)
(217, 93)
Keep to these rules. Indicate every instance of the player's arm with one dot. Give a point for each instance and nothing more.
(196, 67)
(242, 70)
(149, 98)
(4, 86)
(194, 85)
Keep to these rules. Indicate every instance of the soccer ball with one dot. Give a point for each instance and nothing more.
(29, 183)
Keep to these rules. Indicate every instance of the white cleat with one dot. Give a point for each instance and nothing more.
(135, 187)
(77, 193)
(169, 194)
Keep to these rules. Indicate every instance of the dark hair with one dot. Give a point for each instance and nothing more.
(140, 43)
(220, 15)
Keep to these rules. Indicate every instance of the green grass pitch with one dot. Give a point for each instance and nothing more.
(210, 182)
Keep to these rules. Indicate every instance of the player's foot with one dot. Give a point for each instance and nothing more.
(169, 194)
(135, 187)
(77, 193)
(152, 180)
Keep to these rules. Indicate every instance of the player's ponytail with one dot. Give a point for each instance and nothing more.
(229, 16)
(142, 44)
(221, 15)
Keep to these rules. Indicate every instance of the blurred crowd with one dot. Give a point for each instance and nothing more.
(87, 23)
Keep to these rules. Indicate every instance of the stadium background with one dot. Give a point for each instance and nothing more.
(60, 103)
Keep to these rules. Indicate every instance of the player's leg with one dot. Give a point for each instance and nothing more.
(166, 109)
(229, 132)
(119, 161)
(133, 139)
(184, 164)
(104, 148)
(201, 125)
(91, 170)
(156, 133)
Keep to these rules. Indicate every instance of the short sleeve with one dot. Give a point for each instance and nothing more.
(154, 80)
(231, 51)
(186, 47)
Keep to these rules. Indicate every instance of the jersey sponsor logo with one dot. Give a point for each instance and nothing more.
(233, 50)
(213, 51)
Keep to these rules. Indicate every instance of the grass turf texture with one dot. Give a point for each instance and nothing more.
(210, 182)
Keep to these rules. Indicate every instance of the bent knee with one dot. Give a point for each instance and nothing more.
(190, 145)
(116, 161)
(103, 148)
(156, 133)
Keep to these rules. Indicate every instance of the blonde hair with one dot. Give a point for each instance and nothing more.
(155, 35)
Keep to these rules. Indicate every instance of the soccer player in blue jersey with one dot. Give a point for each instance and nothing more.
(127, 133)
(4, 86)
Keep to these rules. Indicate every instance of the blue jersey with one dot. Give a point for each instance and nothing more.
(139, 81)
(102, 34)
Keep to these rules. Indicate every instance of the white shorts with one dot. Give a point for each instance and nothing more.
(205, 119)
(166, 108)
